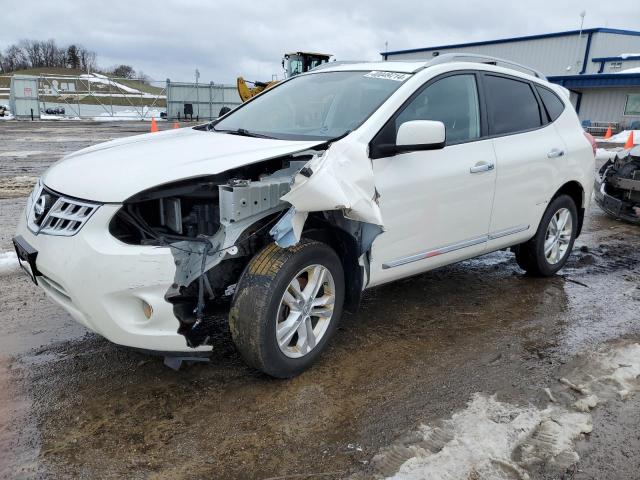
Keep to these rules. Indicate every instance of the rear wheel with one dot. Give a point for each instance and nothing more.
(549, 249)
(286, 307)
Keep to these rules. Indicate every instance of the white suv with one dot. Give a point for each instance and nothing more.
(341, 179)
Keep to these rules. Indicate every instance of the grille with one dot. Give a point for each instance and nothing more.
(50, 213)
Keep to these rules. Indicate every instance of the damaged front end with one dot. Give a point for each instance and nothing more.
(617, 186)
(214, 225)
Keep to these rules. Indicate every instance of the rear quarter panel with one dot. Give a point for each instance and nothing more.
(579, 162)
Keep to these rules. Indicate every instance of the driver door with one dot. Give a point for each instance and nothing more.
(436, 204)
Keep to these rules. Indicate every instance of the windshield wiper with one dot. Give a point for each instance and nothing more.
(243, 132)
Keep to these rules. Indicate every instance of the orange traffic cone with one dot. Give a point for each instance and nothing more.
(629, 143)
(608, 134)
(176, 125)
(154, 125)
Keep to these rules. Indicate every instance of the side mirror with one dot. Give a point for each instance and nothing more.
(412, 136)
(420, 135)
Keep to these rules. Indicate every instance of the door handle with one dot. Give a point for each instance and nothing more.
(482, 167)
(555, 153)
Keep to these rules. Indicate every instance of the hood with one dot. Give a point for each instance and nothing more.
(113, 171)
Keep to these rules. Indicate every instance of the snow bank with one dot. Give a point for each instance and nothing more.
(622, 137)
(127, 115)
(499, 440)
(8, 262)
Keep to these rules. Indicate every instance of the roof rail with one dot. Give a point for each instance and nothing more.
(335, 63)
(474, 57)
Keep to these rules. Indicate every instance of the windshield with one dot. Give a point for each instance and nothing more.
(319, 106)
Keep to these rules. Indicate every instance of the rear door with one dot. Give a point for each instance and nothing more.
(529, 153)
(436, 204)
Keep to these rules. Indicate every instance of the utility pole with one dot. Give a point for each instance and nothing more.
(197, 95)
(575, 59)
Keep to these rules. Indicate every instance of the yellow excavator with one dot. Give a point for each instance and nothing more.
(293, 64)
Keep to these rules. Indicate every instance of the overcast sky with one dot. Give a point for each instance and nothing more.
(224, 39)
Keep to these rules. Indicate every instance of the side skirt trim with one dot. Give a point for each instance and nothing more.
(508, 231)
(454, 246)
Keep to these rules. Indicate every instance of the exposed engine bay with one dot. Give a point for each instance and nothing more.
(214, 225)
(617, 188)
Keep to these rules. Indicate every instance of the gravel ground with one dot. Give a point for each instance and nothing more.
(73, 405)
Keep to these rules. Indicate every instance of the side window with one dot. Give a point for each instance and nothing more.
(552, 103)
(511, 105)
(453, 101)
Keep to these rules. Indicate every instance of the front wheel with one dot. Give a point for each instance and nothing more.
(286, 307)
(549, 249)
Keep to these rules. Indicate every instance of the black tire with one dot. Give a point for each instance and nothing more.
(530, 255)
(256, 305)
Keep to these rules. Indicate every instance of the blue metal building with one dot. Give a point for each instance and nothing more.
(600, 66)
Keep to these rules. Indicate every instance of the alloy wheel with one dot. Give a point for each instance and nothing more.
(558, 236)
(305, 311)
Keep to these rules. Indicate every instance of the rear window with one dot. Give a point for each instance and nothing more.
(551, 102)
(511, 105)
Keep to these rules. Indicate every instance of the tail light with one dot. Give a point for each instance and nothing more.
(592, 141)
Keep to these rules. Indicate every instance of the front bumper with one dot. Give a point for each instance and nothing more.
(613, 206)
(103, 283)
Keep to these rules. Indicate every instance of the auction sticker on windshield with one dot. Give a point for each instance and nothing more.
(398, 77)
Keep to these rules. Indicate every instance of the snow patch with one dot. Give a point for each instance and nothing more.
(606, 154)
(8, 262)
(46, 116)
(103, 80)
(499, 440)
(143, 113)
(482, 441)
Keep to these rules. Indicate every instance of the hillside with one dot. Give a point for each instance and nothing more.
(129, 86)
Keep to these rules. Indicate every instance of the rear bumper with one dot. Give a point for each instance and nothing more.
(103, 283)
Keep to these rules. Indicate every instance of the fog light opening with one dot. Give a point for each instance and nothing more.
(147, 310)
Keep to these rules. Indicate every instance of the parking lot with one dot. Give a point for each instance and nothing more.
(74, 405)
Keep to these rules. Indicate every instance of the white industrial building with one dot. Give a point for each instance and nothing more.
(600, 66)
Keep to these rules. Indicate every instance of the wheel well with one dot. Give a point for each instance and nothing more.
(574, 190)
(346, 246)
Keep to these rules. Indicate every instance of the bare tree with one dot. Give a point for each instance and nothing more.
(123, 71)
(87, 59)
(144, 78)
(15, 59)
(50, 53)
(33, 51)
